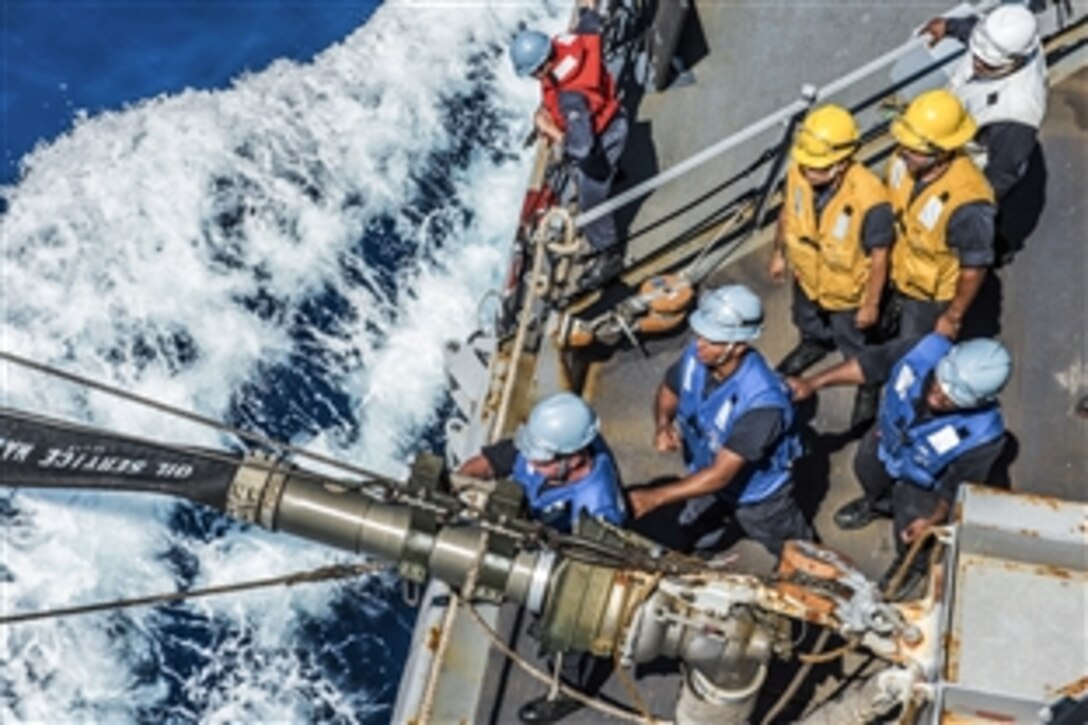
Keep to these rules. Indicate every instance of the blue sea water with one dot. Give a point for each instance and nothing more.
(86, 56)
(274, 214)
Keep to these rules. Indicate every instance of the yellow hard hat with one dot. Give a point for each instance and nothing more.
(934, 121)
(827, 136)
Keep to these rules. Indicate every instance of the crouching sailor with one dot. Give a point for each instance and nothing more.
(567, 471)
(939, 424)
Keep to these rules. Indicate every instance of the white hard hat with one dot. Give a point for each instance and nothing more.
(1007, 34)
(559, 425)
(974, 372)
(732, 313)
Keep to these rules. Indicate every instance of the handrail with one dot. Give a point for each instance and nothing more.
(780, 116)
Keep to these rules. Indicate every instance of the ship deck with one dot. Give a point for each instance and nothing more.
(1041, 298)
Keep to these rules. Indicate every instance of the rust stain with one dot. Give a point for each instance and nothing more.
(958, 718)
(952, 647)
(938, 580)
(1057, 571)
(957, 513)
(1075, 689)
(1050, 502)
(433, 637)
(793, 560)
(1033, 498)
(811, 602)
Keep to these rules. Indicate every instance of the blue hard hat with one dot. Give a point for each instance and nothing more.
(529, 51)
(731, 313)
(974, 372)
(559, 425)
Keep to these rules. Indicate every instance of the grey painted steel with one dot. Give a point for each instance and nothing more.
(351, 521)
(342, 519)
(1012, 584)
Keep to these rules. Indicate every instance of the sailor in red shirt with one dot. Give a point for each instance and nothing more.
(581, 114)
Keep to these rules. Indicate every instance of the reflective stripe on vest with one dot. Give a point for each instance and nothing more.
(708, 422)
(598, 493)
(828, 257)
(923, 266)
(917, 452)
(579, 66)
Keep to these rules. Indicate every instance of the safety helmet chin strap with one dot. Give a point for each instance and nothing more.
(720, 360)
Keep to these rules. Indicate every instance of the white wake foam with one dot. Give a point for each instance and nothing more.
(175, 249)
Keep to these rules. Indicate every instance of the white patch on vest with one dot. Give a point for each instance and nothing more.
(689, 370)
(944, 439)
(565, 67)
(566, 39)
(723, 414)
(899, 172)
(798, 203)
(842, 225)
(903, 381)
(931, 213)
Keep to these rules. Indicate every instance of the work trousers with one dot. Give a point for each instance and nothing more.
(601, 234)
(772, 522)
(827, 327)
(913, 318)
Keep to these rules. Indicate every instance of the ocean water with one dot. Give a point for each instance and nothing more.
(274, 214)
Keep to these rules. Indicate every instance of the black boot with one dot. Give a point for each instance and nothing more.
(543, 710)
(600, 269)
(858, 514)
(802, 357)
(866, 400)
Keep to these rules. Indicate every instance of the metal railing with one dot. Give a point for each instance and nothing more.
(784, 115)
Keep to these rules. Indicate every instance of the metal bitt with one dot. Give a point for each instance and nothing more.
(418, 538)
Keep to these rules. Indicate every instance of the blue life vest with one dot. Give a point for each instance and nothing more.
(598, 493)
(707, 423)
(918, 451)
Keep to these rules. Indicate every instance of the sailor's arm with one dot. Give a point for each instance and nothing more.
(493, 461)
(547, 127)
(1009, 146)
(967, 287)
(714, 477)
(666, 437)
(777, 270)
(848, 372)
(939, 28)
(877, 236)
(971, 236)
(974, 465)
(754, 437)
(872, 366)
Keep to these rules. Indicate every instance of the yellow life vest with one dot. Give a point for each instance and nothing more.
(827, 255)
(923, 265)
